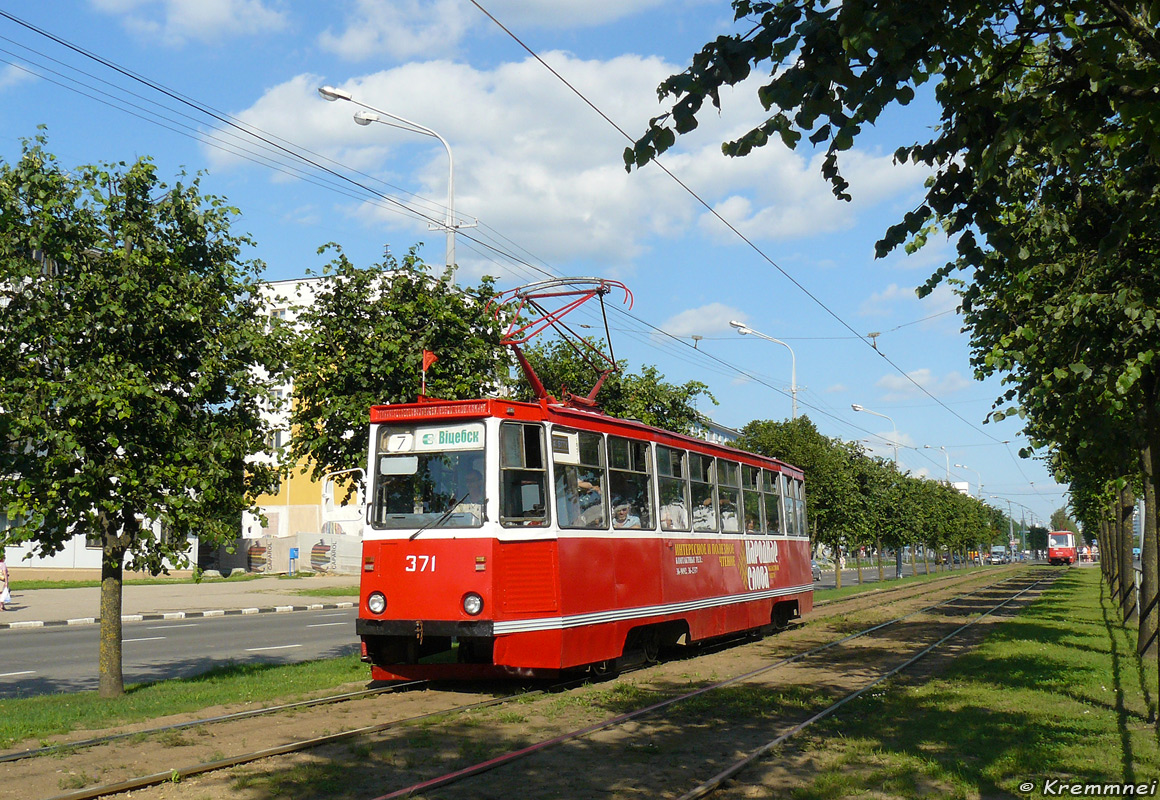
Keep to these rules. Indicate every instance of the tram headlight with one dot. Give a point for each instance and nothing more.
(377, 603)
(472, 604)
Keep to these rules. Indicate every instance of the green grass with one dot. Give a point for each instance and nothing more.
(39, 717)
(170, 579)
(1055, 693)
(329, 591)
(159, 580)
(857, 588)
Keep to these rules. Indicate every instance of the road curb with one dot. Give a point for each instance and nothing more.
(170, 615)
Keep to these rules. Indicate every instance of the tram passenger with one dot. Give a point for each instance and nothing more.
(622, 516)
(578, 501)
(674, 515)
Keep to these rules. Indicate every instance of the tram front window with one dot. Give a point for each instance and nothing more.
(418, 485)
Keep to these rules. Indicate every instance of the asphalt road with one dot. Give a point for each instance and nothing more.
(64, 659)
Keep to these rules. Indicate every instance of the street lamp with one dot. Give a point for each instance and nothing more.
(744, 330)
(372, 114)
(945, 455)
(980, 477)
(894, 442)
(1010, 516)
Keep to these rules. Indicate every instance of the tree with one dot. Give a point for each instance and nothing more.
(836, 67)
(133, 367)
(1044, 164)
(1037, 537)
(643, 396)
(361, 344)
(1061, 521)
(833, 504)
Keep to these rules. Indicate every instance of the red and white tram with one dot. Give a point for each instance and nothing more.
(533, 538)
(527, 539)
(1061, 548)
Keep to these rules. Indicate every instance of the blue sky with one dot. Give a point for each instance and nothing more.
(541, 173)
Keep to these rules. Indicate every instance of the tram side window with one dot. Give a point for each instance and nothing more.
(701, 474)
(791, 507)
(630, 483)
(729, 495)
(771, 488)
(754, 507)
(800, 504)
(523, 475)
(578, 459)
(672, 476)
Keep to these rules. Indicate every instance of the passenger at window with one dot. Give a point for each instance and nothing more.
(622, 516)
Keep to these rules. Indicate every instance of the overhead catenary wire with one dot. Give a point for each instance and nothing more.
(273, 154)
(750, 243)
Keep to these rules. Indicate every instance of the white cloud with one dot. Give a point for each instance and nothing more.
(899, 387)
(177, 21)
(713, 318)
(532, 161)
(13, 75)
(404, 29)
(935, 311)
(837, 388)
(882, 304)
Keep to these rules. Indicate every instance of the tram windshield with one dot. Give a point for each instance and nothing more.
(1059, 540)
(429, 477)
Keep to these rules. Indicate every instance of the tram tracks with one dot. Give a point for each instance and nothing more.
(403, 721)
(420, 789)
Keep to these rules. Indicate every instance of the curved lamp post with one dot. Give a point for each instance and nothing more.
(745, 330)
(894, 442)
(980, 477)
(372, 114)
(946, 455)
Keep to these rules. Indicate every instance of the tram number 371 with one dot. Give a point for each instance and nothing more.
(420, 564)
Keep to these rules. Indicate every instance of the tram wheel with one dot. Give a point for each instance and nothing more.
(606, 669)
(782, 614)
(650, 646)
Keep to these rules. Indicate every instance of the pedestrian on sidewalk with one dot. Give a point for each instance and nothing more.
(5, 593)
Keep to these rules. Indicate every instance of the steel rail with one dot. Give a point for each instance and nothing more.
(178, 774)
(506, 758)
(254, 712)
(714, 783)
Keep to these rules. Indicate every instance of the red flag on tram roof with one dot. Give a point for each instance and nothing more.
(429, 358)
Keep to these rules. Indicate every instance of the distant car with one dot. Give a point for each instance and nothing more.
(816, 570)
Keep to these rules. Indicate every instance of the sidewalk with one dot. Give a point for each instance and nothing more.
(34, 608)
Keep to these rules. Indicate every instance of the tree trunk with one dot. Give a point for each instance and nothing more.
(925, 561)
(1106, 562)
(1111, 555)
(1148, 555)
(838, 567)
(881, 571)
(1127, 501)
(112, 681)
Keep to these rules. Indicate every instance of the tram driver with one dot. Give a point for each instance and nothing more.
(471, 499)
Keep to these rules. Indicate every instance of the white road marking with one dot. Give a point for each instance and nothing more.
(326, 624)
(144, 639)
(167, 627)
(14, 674)
(279, 647)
